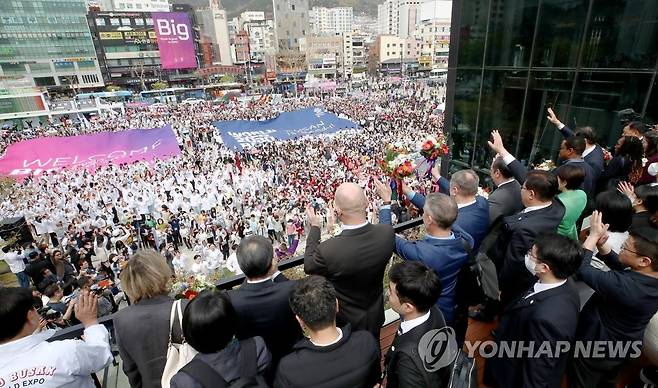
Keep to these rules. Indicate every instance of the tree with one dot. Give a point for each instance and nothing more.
(112, 88)
(227, 78)
(159, 85)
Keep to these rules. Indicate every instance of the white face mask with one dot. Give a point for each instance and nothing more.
(530, 264)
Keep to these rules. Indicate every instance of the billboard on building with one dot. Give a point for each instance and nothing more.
(175, 40)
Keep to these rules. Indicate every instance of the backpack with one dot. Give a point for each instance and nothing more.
(205, 375)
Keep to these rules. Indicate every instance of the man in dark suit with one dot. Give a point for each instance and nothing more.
(262, 304)
(542, 214)
(354, 261)
(473, 210)
(571, 151)
(593, 153)
(505, 200)
(545, 316)
(331, 356)
(444, 247)
(624, 301)
(413, 290)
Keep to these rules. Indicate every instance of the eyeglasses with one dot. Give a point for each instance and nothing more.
(625, 248)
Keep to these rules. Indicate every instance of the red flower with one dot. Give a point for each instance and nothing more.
(190, 294)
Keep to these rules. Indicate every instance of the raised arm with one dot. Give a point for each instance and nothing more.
(518, 171)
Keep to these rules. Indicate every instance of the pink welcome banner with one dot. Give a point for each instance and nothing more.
(47, 154)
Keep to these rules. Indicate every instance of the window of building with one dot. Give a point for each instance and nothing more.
(292, 7)
(125, 22)
(115, 21)
(149, 21)
(139, 22)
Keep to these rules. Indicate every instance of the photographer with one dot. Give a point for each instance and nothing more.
(27, 358)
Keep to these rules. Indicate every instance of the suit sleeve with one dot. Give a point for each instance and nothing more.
(518, 171)
(444, 185)
(566, 132)
(385, 215)
(408, 375)
(314, 263)
(608, 284)
(519, 244)
(495, 209)
(129, 365)
(280, 381)
(538, 370)
(418, 201)
(407, 250)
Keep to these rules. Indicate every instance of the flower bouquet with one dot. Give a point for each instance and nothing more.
(397, 164)
(190, 287)
(546, 165)
(432, 148)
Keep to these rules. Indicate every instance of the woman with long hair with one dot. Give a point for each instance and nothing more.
(625, 166)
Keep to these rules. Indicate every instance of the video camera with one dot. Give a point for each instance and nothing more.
(48, 313)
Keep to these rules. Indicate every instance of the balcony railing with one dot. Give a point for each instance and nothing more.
(224, 284)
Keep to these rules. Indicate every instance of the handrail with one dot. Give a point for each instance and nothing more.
(236, 280)
(77, 330)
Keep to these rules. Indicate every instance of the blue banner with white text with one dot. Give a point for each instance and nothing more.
(286, 126)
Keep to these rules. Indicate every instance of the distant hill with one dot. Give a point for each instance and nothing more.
(235, 7)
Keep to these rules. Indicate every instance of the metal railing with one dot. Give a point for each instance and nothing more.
(76, 331)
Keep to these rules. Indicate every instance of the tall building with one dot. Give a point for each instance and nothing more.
(387, 17)
(290, 23)
(46, 44)
(135, 5)
(588, 59)
(213, 27)
(324, 55)
(329, 21)
(392, 53)
(434, 37)
(408, 17)
(261, 38)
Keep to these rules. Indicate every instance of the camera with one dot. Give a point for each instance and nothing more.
(48, 313)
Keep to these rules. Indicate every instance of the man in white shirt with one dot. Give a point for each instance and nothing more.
(28, 359)
(14, 260)
(545, 316)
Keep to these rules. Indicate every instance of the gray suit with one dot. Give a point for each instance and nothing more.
(504, 201)
(142, 332)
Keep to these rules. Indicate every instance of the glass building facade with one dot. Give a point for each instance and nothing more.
(511, 59)
(47, 42)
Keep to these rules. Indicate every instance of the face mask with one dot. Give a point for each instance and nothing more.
(530, 265)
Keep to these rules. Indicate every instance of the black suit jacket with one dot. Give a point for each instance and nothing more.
(354, 262)
(517, 237)
(263, 310)
(401, 370)
(352, 362)
(595, 159)
(551, 316)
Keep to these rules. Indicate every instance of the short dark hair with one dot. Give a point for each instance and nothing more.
(562, 254)
(645, 192)
(573, 175)
(651, 138)
(500, 165)
(543, 183)
(210, 321)
(15, 303)
(254, 256)
(313, 299)
(576, 143)
(51, 290)
(646, 243)
(416, 284)
(588, 133)
(616, 208)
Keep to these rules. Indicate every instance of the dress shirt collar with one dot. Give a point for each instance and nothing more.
(461, 205)
(348, 227)
(261, 280)
(588, 150)
(406, 326)
(340, 337)
(533, 208)
(539, 287)
(451, 237)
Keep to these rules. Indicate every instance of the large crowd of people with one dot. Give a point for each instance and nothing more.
(572, 255)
